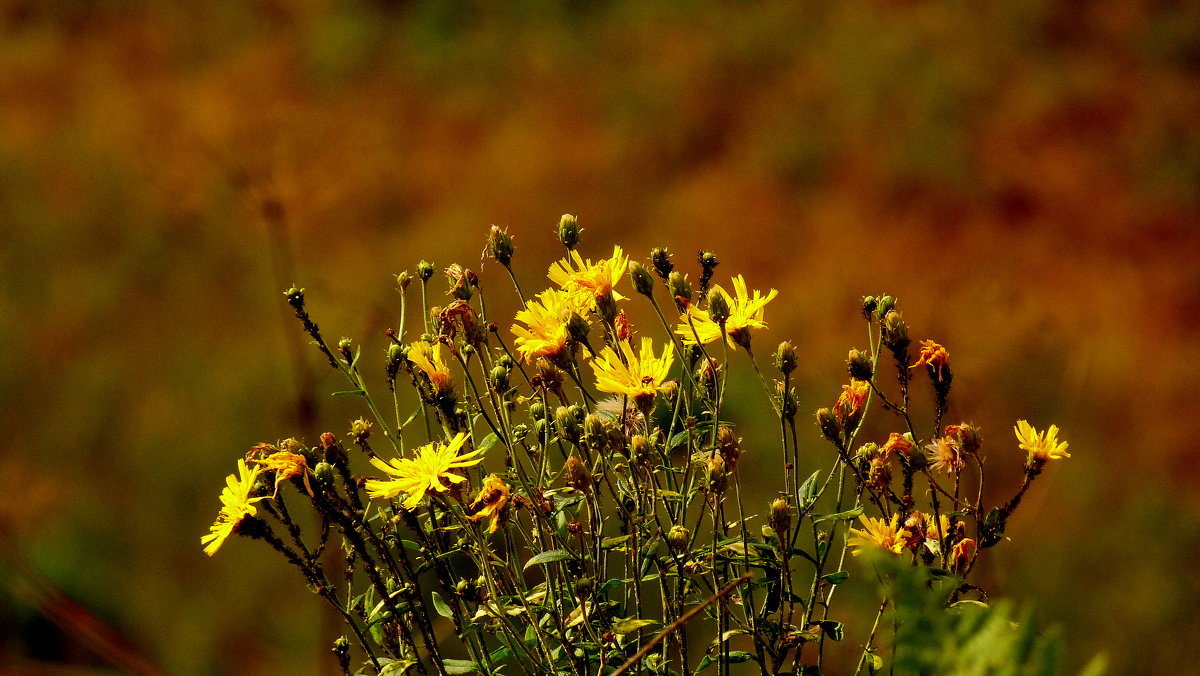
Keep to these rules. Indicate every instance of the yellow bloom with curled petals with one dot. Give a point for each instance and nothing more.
(587, 281)
(878, 533)
(432, 467)
(490, 503)
(745, 313)
(286, 465)
(545, 333)
(641, 375)
(428, 358)
(236, 504)
(1042, 446)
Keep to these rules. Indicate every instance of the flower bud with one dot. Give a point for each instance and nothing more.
(868, 306)
(785, 358)
(643, 281)
(879, 473)
(670, 390)
(568, 231)
(568, 426)
(708, 263)
(678, 538)
(584, 587)
(295, 298)
(895, 331)
(506, 361)
(729, 446)
(403, 280)
(537, 410)
(718, 309)
(717, 476)
(327, 440)
(829, 425)
(500, 245)
(639, 449)
(661, 260)
(360, 430)
(396, 354)
(499, 379)
(324, 474)
(577, 476)
(346, 349)
(884, 305)
(860, 366)
(424, 270)
(780, 518)
(680, 288)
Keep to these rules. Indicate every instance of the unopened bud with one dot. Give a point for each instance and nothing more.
(537, 410)
(729, 446)
(639, 449)
(568, 426)
(679, 538)
(860, 366)
(499, 379)
(717, 476)
(295, 298)
(584, 587)
(781, 516)
(424, 270)
(568, 231)
(884, 305)
(403, 280)
(680, 288)
(327, 440)
(324, 474)
(785, 358)
(895, 331)
(577, 476)
(829, 425)
(868, 306)
(643, 281)
(718, 308)
(661, 260)
(500, 245)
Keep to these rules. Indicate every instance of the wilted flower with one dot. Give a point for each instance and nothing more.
(897, 443)
(936, 358)
(491, 501)
(286, 466)
(945, 455)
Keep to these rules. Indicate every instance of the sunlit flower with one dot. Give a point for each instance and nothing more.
(962, 554)
(429, 470)
(851, 401)
(745, 313)
(935, 357)
(945, 455)
(286, 466)
(545, 333)
(492, 499)
(877, 533)
(1042, 446)
(236, 504)
(588, 281)
(428, 358)
(639, 378)
(898, 444)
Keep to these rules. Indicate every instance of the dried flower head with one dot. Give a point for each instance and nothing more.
(285, 465)
(936, 358)
(945, 455)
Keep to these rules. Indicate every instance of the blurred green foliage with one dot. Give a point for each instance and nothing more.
(1023, 174)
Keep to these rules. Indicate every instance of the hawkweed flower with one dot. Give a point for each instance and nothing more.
(236, 505)
(285, 465)
(430, 470)
(745, 313)
(851, 402)
(962, 553)
(639, 378)
(877, 533)
(490, 502)
(428, 358)
(897, 444)
(945, 455)
(1041, 446)
(587, 282)
(935, 358)
(546, 325)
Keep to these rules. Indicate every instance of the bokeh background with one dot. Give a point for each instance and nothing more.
(1024, 176)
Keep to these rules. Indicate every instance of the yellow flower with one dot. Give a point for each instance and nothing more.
(897, 444)
(639, 378)
(545, 332)
(587, 281)
(490, 502)
(236, 504)
(745, 313)
(433, 465)
(428, 358)
(878, 533)
(285, 465)
(851, 401)
(1042, 446)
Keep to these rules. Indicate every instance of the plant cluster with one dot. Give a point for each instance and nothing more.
(567, 496)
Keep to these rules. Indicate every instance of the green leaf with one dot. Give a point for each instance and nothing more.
(874, 663)
(549, 557)
(840, 516)
(836, 578)
(609, 543)
(808, 490)
(439, 604)
(350, 393)
(488, 441)
(705, 663)
(738, 656)
(631, 625)
(834, 630)
(460, 666)
(500, 654)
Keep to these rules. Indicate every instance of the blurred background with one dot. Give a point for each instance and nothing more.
(1024, 176)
